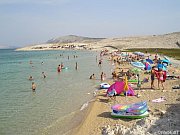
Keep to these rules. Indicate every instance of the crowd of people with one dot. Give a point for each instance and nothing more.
(155, 72)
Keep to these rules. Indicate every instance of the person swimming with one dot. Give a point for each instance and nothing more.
(30, 78)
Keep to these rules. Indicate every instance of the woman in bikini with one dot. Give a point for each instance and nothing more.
(160, 79)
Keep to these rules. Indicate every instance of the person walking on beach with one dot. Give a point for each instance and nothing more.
(33, 86)
(59, 68)
(152, 77)
(160, 78)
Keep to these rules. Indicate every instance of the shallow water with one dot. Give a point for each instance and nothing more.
(53, 108)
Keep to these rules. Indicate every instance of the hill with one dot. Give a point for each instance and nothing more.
(171, 40)
(73, 39)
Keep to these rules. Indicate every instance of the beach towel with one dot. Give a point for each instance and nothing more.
(161, 99)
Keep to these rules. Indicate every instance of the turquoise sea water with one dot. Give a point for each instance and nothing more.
(55, 106)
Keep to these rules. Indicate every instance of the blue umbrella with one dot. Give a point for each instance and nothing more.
(150, 61)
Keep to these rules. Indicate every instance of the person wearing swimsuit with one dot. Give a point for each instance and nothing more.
(160, 79)
(33, 86)
(152, 77)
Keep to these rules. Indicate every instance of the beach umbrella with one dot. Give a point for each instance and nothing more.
(150, 61)
(138, 64)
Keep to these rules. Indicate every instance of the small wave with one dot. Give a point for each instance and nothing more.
(84, 106)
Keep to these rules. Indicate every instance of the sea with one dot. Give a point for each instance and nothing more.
(58, 105)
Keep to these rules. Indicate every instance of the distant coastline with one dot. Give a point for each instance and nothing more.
(171, 40)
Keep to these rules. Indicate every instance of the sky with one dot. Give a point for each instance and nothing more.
(27, 22)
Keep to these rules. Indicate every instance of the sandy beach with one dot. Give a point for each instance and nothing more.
(163, 117)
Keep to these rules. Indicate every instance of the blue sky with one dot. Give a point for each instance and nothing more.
(25, 22)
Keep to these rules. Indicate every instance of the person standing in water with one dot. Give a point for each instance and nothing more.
(30, 78)
(103, 75)
(43, 74)
(33, 86)
(59, 68)
(100, 62)
(76, 66)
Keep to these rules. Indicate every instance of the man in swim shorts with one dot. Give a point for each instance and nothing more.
(152, 77)
(33, 86)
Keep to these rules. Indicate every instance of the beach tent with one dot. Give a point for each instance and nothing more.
(138, 64)
(118, 86)
(147, 66)
(150, 61)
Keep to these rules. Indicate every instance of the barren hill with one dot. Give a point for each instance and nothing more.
(73, 39)
(171, 40)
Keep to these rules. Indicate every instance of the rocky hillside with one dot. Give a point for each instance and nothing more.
(171, 40)
(73, 39)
